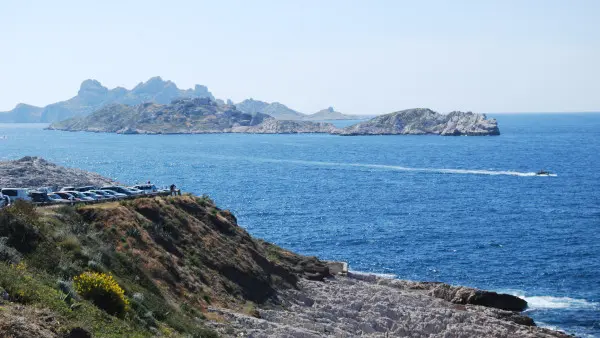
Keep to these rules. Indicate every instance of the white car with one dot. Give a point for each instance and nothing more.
(16, 194)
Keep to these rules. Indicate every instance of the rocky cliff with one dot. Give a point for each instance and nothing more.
(275, 109)
(422, 121)
(191, 116)
(93, 95)
(34, 172)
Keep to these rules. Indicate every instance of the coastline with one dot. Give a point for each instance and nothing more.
(360, 304)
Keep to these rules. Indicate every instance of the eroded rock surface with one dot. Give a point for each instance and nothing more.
(349, 307)
(35, 172)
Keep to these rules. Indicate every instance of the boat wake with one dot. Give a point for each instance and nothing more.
(408, 169)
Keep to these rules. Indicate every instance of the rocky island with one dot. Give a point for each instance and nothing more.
(203, 115)
(185, 116)
(423, 121)
(183, 267)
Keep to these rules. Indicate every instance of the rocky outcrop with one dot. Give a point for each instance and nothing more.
(349, 307)
(273, 126)
(459, 294)
(422, 121)
(35, 172)
(190, 116)
(330, 114)
(275, 109)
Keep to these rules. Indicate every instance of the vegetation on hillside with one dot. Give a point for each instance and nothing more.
(136, 268)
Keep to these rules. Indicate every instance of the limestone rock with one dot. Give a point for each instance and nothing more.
(35, 172)
(422, 121)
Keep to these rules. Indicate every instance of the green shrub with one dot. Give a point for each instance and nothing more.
(8, 254)
(19, 223)
(102, 290)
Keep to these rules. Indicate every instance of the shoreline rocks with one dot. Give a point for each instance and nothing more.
(347, 307)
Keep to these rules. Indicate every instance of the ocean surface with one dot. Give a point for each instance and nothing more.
(461, 210)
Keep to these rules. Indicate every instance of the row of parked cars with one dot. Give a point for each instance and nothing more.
(75, 194)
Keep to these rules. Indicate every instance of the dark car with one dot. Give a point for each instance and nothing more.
(39, 197)
(67, 196)
(121, 190)
(86, 188)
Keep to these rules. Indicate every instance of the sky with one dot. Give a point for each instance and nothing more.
(361, 57)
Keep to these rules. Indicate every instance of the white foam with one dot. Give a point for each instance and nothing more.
(550, 302)
(380, 275)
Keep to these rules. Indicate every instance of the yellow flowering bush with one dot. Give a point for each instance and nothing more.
(103, 291)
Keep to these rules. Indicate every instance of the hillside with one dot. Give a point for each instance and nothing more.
(93, 95)
(22, 113)
(275, 109)
(174, 257)
(422, 121)
(191, 116)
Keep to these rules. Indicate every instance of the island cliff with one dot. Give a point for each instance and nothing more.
(422, 121)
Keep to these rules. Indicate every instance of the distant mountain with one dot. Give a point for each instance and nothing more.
(330, 114)
(275, 109)
(22, 113)
(93, 96)
(184, 116)
(423, 121)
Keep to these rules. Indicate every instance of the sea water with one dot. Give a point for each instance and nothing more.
(462, 210)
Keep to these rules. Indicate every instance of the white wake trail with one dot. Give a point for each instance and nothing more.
(409, 169)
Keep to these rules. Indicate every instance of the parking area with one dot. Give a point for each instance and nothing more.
(45, 196)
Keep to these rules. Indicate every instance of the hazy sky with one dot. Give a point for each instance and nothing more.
(359, 56)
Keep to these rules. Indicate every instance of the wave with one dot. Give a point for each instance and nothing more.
(381, 275)
(550, 302)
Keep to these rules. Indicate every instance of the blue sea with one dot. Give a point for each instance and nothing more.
(461, 210)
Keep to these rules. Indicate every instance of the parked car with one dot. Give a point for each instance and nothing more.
(16, 194)
(86, 188)
(54, 198)
(119, 189)
(67, 188)
(103, 194)
(39, 196)
(80, 195)
(114, 194)
(147, 188)
(136, 191)
(93, 195)
(66, 196)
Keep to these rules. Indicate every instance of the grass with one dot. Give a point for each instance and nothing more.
(55, 245)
